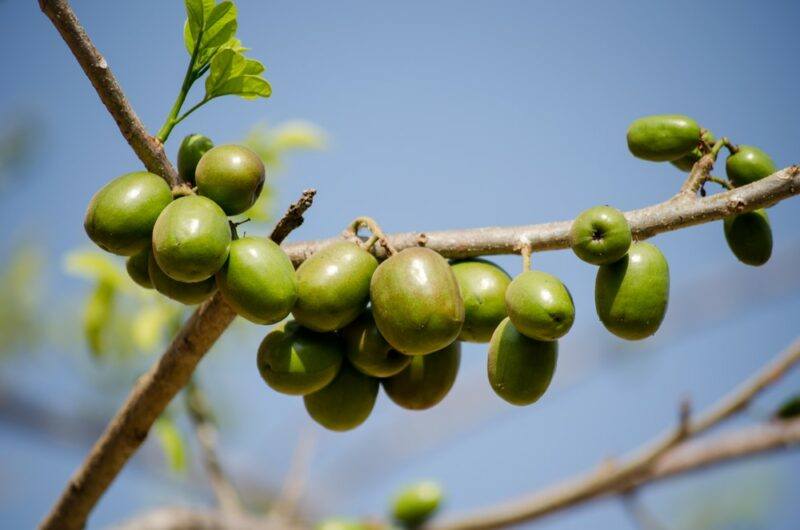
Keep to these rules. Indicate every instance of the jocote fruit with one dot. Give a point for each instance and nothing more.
(369, 352)
(748, 165)
(136, 266)
(749, 237)
(183, 292)
(427, 380)
(415, 504)
(121, 215)
(663, 138)
(346, 402)
(232, 176)
(192, 149)
(416, 301)
(540, 306)
(483, 288)
(600, 235)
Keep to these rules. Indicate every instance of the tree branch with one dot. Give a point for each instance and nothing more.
(653, 461)
(149, 397)
(148, 149)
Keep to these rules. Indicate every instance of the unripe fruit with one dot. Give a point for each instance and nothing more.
(338, 523)
(232, 176)
(136, 266)
(121, 215)
(663, 137)
(296, 361)
(346, 402)
(483, 288)
(417, 503)
(191, 239)
(520, 368)
(258, 280)
(416, 301)
(185, 293)
(427, 380)
(748, 165)
(749, 236)
(333, 286)
(369, 352)
(687, 162)
(192, 149)
(600, 235)
(631, 294)
(540, 306)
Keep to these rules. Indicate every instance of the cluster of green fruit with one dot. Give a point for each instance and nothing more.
(681, 141)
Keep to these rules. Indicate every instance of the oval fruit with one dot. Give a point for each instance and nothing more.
(749, 237)
(333, 286)
(258, 280)
(416, 301)
(748, 165)
(540, 306)
(191, 239)
(232, 176)
(426, 380)
(339, 523)
(663, 137)
(600, 235)
(121, 215)
(185, 293)
(192, 149)
(297, 361)
(483, 289)
(369, 352)
(631, 294)
(415, 504)
(136, 266)
(520, 368)
(346, 402)
(687, 162)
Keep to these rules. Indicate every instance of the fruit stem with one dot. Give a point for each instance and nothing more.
(526, 250)
(732, 148)
(375, 229)
(188, 79)
(717, 146)
(722, 182)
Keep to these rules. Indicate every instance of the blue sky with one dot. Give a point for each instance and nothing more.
(439, 115)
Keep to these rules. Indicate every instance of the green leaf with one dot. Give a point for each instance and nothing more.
(97, 316)
(197, 12)
(234, 74)
(789, 409)
(172, 443)
(151, 324)
(95, 265)
(219, 28)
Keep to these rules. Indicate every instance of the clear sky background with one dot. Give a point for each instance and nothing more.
(439, 115)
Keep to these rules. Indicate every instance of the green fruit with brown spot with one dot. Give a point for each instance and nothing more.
(483, 288)
(663, 137)
(232, 176)
(416, 301)
(540, 306)
(297, 361)
(687, 162)
(749, 237)
(136, 266)
(191, 239)
(600, 235)
(333, 286)
(192, 149)
(369, 352)
(631, 294)
(258, 280)
(520, 368)
(121, 215)
(346, 402)
(183, 292)
(749, 164)
(426, 380)
(415, 504)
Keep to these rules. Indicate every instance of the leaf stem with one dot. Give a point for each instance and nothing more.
(188, 79)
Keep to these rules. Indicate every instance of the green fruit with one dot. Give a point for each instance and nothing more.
(600, 235)
(368, 351)
(192, 149)
(136, 266)
(749, 236)
(186, 293)
(426, 380)
(338, 523)
(232, 176)
(258, 280)
(687, 162)
(346, 402)
(520, 368)
(483, 288)
(540, 306)
(297, 361)
(416, 301)
(417, 503)
(748, 165)
(333, 286)
(120, 216)
(191, 239)
(663, 137)
(631, 294)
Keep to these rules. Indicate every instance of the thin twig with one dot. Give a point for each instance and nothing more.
(285, 505)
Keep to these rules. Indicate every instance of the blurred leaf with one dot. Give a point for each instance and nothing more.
(151, 324)
(97, 316)
(21, 290)
(789, 408)
(297, 135)
(172, 443)
(96, 265)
